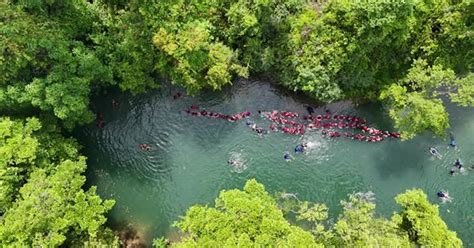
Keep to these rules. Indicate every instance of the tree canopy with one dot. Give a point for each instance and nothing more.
(42, 200)
(414, 56)
(252, 217)
(242, 218)
(57, 54)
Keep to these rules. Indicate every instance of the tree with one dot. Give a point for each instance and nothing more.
(347, 48)
(46, 67)
(416, 104)
(252, 217)
(422, 222)
(18, 150)
(241, 218)
(53, 207)
(196, 60)
(27, 144)
(358, 227)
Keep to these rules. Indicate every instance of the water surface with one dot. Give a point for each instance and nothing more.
(188, 161)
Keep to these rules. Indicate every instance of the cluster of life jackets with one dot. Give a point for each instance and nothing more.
(328, 121)
(284, 122)
(194, 110)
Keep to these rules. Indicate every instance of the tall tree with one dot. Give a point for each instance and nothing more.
(54, 207)
(241, 218)
(421, 220)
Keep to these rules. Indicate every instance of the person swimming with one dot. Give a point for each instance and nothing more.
(458, 164)
(452, 172)
(177, 95)
(115, 103)
(287, 156)
(310, 110)
(435, 152)
(452, 141)
(299, 148)
(443, 196)
(145, 147)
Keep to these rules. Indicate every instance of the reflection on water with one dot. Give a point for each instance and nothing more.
(188, 162)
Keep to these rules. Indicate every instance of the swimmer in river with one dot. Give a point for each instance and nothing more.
(452, 141)
(452, 172)
(300, 148)
(310, 110)
(177, 95)
(115, 103)
(145, 147)
(435, 152)
(458, 164)
(443, 196)
(100, 123)
(287, 156)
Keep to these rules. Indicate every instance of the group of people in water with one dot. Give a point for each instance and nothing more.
(99, 120)
(300, 148)
(457, 167)
(287, 123)
(195, 111)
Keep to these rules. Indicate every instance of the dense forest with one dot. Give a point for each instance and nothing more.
(413, 56)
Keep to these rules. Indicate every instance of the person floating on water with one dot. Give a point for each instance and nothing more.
(300, 148)
(452, 141)
(435, 152)
(443, 196)
(100, 123)
(287, 156)
(458, 164)
(310, 110)
(115, 103)
(177, 95)
(145, 147)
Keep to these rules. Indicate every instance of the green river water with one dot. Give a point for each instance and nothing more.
(188, 161)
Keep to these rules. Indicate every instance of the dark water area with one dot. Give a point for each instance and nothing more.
(188, 165)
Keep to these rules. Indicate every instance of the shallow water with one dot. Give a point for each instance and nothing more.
(188, 160)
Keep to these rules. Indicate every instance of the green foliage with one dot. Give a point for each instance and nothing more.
(347, 49)
(160, 242)
(42, 202)
(24, 146)
(358, 227)
(125, 45)
(197, 59)
(241, 218)
(44, 66)
(17, 152)
(54, 55)
(442, 33)
(422, 222)
(415, 101)
(53, 206)
(251, 218)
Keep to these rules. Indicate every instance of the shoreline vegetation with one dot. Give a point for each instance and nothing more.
(252, 217)
(413, 56)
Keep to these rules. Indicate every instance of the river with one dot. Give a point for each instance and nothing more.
(187, 163)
